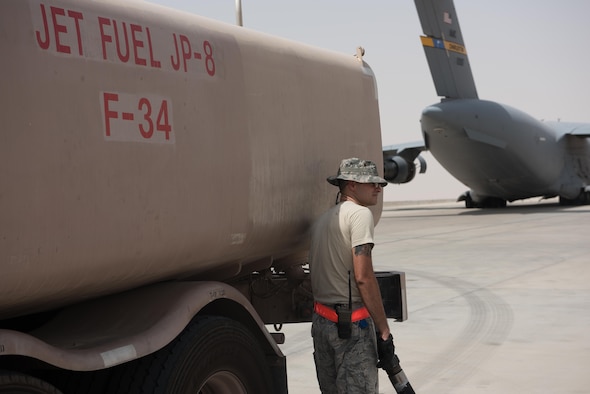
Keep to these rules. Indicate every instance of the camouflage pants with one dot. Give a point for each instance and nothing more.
(345, 366)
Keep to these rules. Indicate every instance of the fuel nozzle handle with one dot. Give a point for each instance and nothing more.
(389, 362)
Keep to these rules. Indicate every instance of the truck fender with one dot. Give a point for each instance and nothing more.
(112, 330)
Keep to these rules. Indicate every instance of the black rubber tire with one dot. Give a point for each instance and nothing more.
(18, 383)
(213, 355)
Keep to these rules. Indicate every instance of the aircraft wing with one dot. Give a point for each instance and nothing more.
(581, 130)
(570, 128)
(408, 150)
(399, 161)
(445, 49)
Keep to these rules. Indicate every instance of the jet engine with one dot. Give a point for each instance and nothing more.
(397, 169)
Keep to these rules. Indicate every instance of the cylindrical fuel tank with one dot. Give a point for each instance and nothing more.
(141, 144)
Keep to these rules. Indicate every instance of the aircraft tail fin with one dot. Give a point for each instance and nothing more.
(445, 49)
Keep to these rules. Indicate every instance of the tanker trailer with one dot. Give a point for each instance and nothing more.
(159, 173)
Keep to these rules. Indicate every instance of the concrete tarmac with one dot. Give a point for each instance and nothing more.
(498, 299)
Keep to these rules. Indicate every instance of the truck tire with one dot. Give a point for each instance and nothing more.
(17, 383)
(213, 355)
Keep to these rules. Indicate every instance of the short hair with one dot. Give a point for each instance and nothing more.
(342, 184)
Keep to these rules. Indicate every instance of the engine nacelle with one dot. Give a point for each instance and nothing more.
(396, 169)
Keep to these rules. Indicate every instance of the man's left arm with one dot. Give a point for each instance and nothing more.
(369, 287)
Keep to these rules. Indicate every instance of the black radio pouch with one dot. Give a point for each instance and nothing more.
(345, 315)
(344, 321)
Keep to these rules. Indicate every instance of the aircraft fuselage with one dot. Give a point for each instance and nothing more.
(500, 151)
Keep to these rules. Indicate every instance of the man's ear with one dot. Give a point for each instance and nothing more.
(345, 185)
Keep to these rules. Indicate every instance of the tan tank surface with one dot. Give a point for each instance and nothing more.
(141, 144)
(159, 172)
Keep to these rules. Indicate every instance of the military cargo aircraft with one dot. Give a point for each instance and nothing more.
(501, 153)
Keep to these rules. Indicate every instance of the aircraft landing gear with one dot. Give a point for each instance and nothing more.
(493, 202)
(487, 202)
(582, 199)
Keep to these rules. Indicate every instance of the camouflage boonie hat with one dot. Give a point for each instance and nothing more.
(357, 170)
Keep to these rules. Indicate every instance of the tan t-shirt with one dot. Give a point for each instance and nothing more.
(333, 236)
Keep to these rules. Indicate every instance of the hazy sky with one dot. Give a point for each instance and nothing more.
(533, 55)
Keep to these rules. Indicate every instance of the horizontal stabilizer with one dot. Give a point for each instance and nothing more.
(445, 49)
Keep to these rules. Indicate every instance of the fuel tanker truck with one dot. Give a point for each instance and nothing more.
(159, 174)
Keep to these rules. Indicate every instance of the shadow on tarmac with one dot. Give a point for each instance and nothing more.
(453, 208)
